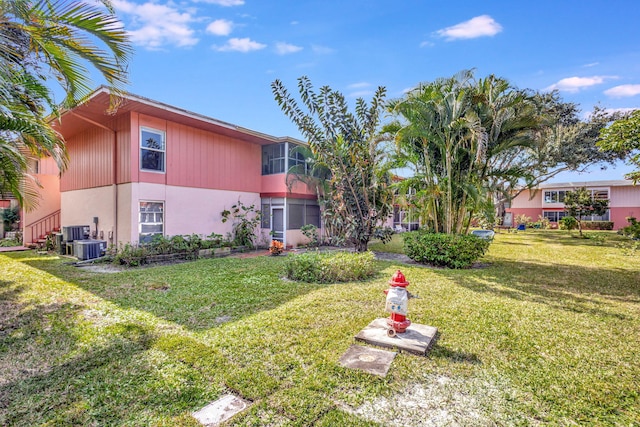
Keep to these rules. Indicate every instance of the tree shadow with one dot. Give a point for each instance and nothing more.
(198, 295)
(576, 289)
(439, 351)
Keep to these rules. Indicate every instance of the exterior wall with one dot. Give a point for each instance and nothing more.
(624, 201)
(186, 210)
(48, 202)
(79, 207)
(295, 238)
(275, 185)
(524, 200)
(198, 159)
(91, 160)
(530, 212)
(126, 214)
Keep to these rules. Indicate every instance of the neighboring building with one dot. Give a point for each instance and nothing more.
(151, 168)
(548, 201)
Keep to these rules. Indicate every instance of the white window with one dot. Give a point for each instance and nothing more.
(554, 216)
(151, 220)
(152, 150)
(554, 196)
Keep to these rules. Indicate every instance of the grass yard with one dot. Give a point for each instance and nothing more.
(547, 332)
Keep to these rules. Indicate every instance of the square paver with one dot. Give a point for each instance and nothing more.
(417, 339)
(220, 410)
(371, 360)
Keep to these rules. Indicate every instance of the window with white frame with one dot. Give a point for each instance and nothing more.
(151, 220)
(152, 150)
(554, 196)
(554, 216)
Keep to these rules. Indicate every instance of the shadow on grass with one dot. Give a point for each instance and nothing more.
(47, 374)
(561, 286)
(199, 295)
(439, 351)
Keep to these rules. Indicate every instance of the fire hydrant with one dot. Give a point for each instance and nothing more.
(397, 303)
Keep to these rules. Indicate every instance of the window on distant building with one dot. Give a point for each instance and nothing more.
(151, 220)
(152, 150)
(554, 216)
(554, 196)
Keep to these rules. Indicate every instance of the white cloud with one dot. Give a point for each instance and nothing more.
(360, 93)
(224, 2)
(220, 27)
(574, 84)
(591, 64)
(286, 48)
(623, 91)
(480, 26)
(240, 45)
(322, 50)
(427, 44)
(359, 85)
(155, 25)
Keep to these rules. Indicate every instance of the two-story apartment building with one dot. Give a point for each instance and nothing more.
(548, 201)
(153, 168)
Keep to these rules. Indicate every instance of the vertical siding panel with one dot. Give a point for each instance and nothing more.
(124, 148)
(90, 160)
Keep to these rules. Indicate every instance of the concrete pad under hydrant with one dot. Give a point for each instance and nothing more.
(417, 339)
(220, 410)
(371, 360)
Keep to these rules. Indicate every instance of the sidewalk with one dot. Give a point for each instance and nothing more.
(14, 249)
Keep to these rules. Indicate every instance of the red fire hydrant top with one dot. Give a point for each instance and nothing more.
(398, 279)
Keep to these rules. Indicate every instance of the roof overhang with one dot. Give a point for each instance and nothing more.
(95, 111)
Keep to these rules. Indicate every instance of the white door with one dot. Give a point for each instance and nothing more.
(277, 224)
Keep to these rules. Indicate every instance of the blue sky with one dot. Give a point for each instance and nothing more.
(218, 57)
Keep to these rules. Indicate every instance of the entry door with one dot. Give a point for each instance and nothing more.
(508, 219)
(277, 224)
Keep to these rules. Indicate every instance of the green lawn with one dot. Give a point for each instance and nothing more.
(546, 332)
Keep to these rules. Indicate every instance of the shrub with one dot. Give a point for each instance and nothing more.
(329, 267)
(131, 255)
(385, 234)
(310, 231)
(245, 221)
(597, 225)
(632, 230)
(522, 219)
(568, 223)
(447, 250)
(5, 243)
(276, 247)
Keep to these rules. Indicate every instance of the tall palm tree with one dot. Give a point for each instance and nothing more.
(40, 42)
(453, 130)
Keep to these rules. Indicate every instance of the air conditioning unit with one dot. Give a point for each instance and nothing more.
(89, 249)
(75, 232)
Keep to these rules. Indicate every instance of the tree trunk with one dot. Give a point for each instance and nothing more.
(362, 245)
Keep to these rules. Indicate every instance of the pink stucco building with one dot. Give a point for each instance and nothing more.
(153, 168)
(547, 201)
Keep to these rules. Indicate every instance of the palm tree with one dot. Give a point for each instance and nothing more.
(43, 41)
(454, 131)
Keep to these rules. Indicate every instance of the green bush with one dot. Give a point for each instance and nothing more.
(632, 230)
(5, 243)
(329, 267)
(131, 255)
(597, 225)
(568, 223)
(446, 250)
